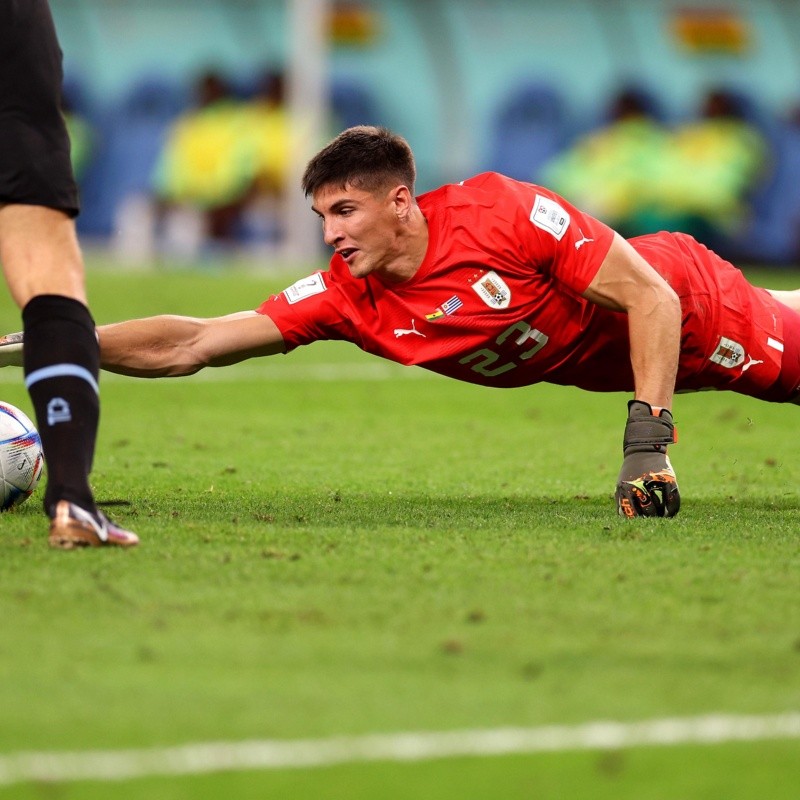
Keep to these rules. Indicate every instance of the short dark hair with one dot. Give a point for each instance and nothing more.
(368, 157)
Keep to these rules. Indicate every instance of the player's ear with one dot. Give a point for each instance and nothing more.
(403, 200)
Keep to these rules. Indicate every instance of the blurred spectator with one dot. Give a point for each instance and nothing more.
(269, 124)
(267, 127)
(205, 169)
(611, 171)
(640, 176)
(711, 168)
(222, 173)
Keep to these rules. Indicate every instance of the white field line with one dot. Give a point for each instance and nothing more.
(194, 759)
(271, 372)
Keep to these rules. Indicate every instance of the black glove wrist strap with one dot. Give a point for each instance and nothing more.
(645, 433)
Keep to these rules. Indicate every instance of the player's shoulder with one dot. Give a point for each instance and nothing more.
(492, 180)
(499, 184)
(484, 181)
(332, 288)
(486, 189)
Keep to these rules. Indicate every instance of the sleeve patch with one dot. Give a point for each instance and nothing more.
(548, 215)
(305, 287)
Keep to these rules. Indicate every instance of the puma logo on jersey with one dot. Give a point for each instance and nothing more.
(750, 362)
(398, 332)
(582, 241)
(731, 354)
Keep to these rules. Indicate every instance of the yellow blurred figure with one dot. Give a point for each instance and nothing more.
(268, 130)
(207, 159)
(224, 164)
(714, 162)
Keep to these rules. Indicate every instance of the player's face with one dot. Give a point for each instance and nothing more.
(362, 227)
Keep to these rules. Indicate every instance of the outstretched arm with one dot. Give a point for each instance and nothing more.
(166, 346)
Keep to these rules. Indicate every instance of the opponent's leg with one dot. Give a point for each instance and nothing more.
(61, 361)
(43, 267)
(44, 271)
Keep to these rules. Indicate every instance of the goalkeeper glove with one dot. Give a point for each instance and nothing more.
(646, 486)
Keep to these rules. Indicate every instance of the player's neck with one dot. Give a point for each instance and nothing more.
(412, 246)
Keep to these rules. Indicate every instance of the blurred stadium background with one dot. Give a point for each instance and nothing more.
(472, 84)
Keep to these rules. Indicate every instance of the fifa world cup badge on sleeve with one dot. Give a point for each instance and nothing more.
(548, 215)
(305, 287)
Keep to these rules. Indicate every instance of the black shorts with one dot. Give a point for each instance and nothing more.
(35, 166)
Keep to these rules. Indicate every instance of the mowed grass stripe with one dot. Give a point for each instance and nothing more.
(195, 759)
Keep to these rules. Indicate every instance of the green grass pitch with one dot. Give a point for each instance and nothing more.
(333, 545)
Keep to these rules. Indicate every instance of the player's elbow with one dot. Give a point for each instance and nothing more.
(152, 367)
(158, 359)
(186, 359)
(659, 302)
(180, 368)
(670, 302)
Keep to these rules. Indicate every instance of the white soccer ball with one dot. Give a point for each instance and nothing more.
(21, 457)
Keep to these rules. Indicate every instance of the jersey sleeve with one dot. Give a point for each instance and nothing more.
(556, 237)
(309, 310)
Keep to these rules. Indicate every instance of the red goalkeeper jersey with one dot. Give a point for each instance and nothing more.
(497, 300)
